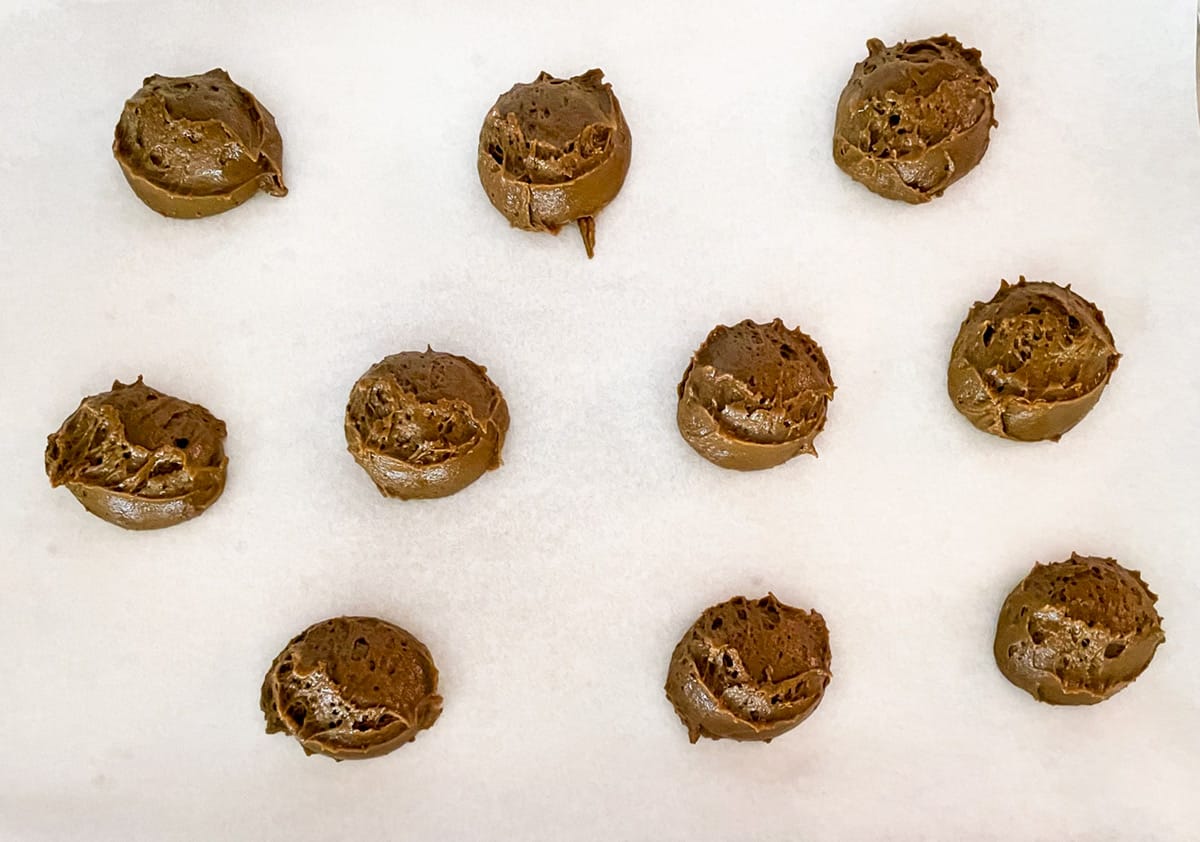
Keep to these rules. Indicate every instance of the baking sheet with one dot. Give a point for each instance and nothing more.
(551, 591)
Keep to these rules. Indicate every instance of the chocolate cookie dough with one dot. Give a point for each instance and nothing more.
(749, 670)
(198, 145)
(1077, 632)
(425, 424)
(914, 118)
(351, 688)
(1032, 362)
(754, 395)
(139, 458)
(555, 151)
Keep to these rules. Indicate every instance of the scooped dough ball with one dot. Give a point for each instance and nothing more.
(198, 145)
(555, 151)
(138, 458)
(749, 670)
(351, 687)
(1078, 631)
(1032, 362)
(754, 395)
(914, 118)
(425, 423)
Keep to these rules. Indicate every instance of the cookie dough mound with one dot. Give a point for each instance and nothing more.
(754, 395)
(425, 424)
(1032, 362)
(555, 151)
(351, 688)
(139, 458)
(199, 145)
(914, 118)
(749, 670)
(1077, 632)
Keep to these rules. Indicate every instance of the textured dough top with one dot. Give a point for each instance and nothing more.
(564, 127)
(1038, 341)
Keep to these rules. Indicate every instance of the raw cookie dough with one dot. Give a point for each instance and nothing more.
(754, 395)
(138, 458)
(914, 118)
(749, 670)
(425, 424)
(351, 687)
(198, 145)
(1077, 632)
(555, 151)
(1032, 362)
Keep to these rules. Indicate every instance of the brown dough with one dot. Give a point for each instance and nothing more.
(425, 424)
(1032, 362)
(1077, 632)
(351, 688)
(138, 458)
(754, 395)
(914, 118)
(198, 145)
(749, 670)
(555, 151)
